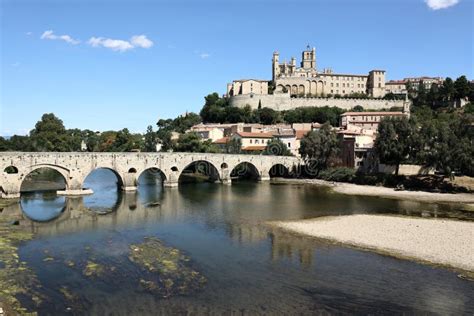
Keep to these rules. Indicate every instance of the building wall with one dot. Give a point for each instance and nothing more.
(283, 101)
(247, 86)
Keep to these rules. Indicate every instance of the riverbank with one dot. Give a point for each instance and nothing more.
(368, 190)
(435, 241)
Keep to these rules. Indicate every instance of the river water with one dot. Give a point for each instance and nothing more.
(249, 267)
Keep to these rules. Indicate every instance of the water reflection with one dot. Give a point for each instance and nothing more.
(250, 267)
(43, 206)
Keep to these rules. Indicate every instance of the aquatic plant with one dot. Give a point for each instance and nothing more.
(16, 278)
(170, 270)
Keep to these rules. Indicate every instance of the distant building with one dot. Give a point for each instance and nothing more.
(247, 86)
(302, 85)
(427, 81)
(397, 87)
(366, 120)
(252, 142)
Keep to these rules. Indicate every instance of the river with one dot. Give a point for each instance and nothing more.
(248, 267)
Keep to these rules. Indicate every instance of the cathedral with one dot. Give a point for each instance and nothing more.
(307, 81)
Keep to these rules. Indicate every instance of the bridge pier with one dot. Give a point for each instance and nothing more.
(74, 192)
(264, 178)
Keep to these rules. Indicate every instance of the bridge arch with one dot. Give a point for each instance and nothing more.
(120, 179)
(58, 170)
(202, 169)
(279, 170)
(245, 170)
(151, 172)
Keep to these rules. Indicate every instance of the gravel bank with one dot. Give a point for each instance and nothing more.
(370, 190)
(445, 242)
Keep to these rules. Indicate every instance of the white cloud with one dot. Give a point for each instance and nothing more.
(141, 41)
(16, 64)
(113, 44)
(29, 33)
(51, 36)
(440, 4)
(204, 55)
(121, 45)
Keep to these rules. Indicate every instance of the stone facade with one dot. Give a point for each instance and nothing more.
(366, 120)
(76, 166)
(247, 86)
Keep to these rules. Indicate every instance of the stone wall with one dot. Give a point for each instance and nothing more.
(283, 101)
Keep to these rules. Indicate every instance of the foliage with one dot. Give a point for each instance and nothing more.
(49, 134)
(313, 114)
(233, 146)
(338, 174)
(276, 147)
(151, 139)
(437, 139)
(192, 142)
(319, 148)
(394, 141)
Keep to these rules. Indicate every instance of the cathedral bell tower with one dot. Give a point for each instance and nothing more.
(308, 58)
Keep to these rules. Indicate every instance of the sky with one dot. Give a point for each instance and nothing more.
(107, 65)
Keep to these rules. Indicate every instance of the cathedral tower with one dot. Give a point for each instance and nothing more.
(308, 58)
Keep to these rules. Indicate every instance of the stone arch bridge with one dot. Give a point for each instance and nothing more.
(76, 166)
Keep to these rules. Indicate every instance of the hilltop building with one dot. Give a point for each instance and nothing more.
(295, 86)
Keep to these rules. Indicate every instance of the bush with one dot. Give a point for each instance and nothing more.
(338, 174)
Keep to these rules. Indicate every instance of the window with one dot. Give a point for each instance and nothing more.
(250, 141)
(289, 145)
(256, 141)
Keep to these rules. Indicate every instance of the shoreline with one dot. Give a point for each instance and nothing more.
(384, 192)
(428, 241)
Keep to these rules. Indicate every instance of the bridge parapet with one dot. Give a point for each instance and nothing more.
(76, 166)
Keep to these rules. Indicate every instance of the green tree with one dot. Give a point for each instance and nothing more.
(4, 144)
(447, 90)
(268, 116)
(233, 146)
(151, 140)
(461, 87)
(189, 142)
(49, 134)
(276, 147)
(394, 141)
(319, 148)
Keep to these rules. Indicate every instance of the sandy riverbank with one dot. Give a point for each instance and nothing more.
(369, 190)
(445, 242)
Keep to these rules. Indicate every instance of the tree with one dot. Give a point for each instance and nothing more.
(447, 90)
(150, 139)
(358, 108)
(4, 144)
(319, 148)
(276, 147)
(393, 143)
(461, 87)
(49, 134)
(233, 146)
(189, 142)
(268, 116)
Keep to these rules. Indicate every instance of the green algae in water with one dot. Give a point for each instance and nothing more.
(93, 269)
(16, 278)
(170, 271)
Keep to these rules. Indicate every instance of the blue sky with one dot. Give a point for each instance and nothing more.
(107, 65)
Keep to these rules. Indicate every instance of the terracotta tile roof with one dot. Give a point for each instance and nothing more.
(371, 113)
(223, 140)
(252, 148)
(255, 135)
(301, 133)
